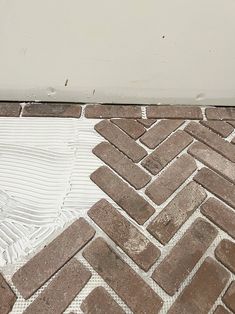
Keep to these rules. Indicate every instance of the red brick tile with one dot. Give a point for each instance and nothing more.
(99, 301)
(121, 140)
(213, 160)
(132, 173)
(30, 277)
(225, 253)
(174, 215)
(204, 289)
(174, 112)
(221, 310)
(181, 260)
(126, 197)
(147, 122)
(171, 179)
(220, 214)
(112, 111)
(61, 291)
(220, 127)
(159, 132)
(7, 296)
(10, 109)
(217, 185)
(62, 110)
(220, 113)
(124, 234)
(130, 287)
(166, 152)
(130, 126)
(229, 297)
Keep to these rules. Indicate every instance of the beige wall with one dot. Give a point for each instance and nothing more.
(114, 51)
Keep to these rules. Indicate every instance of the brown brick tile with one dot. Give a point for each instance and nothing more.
(126, 197)
(112, 111)
(99, 301)
(10, 109)
(61, 291)
(124, 234)
(229, 297)
(174, 112)
(121, 140)
(220, 127)
(213, 160)
(166, 151)
(231, 123)
(181, 260)
(169, 181)
(62, 110)
(225, 253)
(125, 167)
(221, 310)
(220, 113)
(217, 185)
(233, 140)
(206, 285)
(7, 296)
(147, 122)
(174, 215)
(130, 126)
(130, 287)
(159, 132)
(30, 277)
(220, 214)
(211, 139)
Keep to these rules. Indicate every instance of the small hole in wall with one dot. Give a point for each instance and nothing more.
(163, 36)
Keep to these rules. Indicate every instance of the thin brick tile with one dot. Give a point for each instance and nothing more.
(124, 234)
(9, 109)
(229, 297)
(220, 127)
(169, 181)
(147, 122)
(30, 277)
(225, 253)
(166, 152)
(126, 197)
(217, 185)
(220, 113)
(211, 139)
(61, 291)
(7, 296)
(121, 140)
(221, 310)
(174, 215)
(112, 111)
(181, 260)
(204, 289)
(62, 110)
(174, 112)
(220, 215)
(130, 287)
(125, 167)
(130, 126)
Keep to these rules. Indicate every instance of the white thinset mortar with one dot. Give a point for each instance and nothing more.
(45, 164)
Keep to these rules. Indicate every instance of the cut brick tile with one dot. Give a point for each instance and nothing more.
(181, 260)
(211, 139)
(124, 234)
(7, 297)
(220, 127)
(130, 287)
(130, 126)
(30, 277)
(131, 172)
(61, 291)
(221, 310)
(213, 160)
(229, 297)
(9, 109)
(159, 132)
(171, 179)
(112, 111)
(62, 110)
(174, 215)
(126, 197)
(220, 113)
(166, 152)
(220, 215)
(174, 112)
(217, 185)
(121, 140)
(147, 122)
(225, 253)
(99, 301)
(204, 289)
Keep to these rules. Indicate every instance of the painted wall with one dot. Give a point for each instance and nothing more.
(130, 51)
